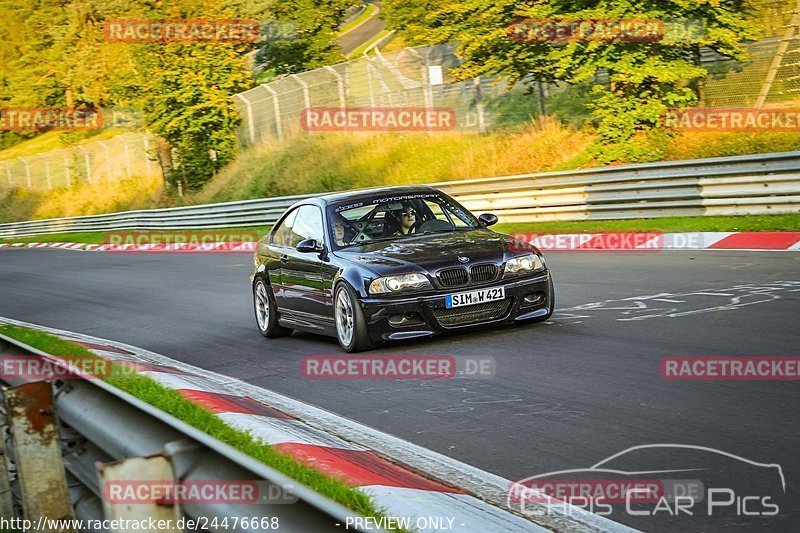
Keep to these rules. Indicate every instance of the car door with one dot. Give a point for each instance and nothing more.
(279, 241)
(302, 282)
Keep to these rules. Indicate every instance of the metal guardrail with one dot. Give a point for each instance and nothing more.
(102, 424)
(752, 184)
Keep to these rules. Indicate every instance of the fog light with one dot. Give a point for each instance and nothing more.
(532, 299)
(405, 319)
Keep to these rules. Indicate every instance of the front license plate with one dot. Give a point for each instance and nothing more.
(474, 297)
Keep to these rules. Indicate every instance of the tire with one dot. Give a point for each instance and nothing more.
(351, 327)
(551, 303)
(266, 311)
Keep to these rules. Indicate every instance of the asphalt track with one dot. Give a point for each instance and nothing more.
(567, 393)
(362, 33)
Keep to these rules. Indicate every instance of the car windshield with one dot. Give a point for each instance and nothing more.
(389, 217)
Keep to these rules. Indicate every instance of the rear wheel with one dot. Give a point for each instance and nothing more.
(351, 328)
(267, 311)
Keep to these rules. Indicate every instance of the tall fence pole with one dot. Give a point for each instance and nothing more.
(87, 163)
(251, 124)
(369, 67)
(8, 174)
(340, 85)
(67, 171)
(129, 170)
(277, 110)
(108, 158)
(146, 148)
(304, 86)
(47, 172)
(479, 107)
(27, 172)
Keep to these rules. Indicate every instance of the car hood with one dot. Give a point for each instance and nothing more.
(429, 252)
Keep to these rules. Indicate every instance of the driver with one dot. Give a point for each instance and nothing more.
(407, 219)
(340, 230)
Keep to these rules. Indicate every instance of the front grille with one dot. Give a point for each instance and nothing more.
(483, 273)
(459, 316)
(453, 277)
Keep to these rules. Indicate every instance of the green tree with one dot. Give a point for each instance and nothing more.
(303, 35)
(186, 93)
(644, 78)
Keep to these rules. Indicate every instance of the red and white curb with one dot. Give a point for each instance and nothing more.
(653, 242)
(618, 241)
(406, 480)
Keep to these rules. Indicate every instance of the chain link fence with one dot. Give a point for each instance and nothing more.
(127, 155)
(420, 77)
(412, 77)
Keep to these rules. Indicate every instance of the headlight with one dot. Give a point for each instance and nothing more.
(399, 283)
(524, 264)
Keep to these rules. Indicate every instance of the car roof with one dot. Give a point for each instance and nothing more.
(365, 193)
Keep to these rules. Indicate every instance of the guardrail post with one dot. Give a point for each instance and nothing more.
(277, 110)
(131, 474)
(37, 452)
(6, 502)
(251, 125)
(339, 84)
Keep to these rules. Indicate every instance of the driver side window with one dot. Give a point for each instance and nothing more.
(307, 225)
(282, 235)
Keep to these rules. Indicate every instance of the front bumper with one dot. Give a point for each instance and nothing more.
(420, 316)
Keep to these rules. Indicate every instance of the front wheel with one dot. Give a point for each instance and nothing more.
(351, 328)
(267, 311)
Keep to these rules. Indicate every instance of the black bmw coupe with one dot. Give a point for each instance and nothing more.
(374, 265)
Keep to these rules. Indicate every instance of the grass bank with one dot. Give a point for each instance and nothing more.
(173, 403)
(337, 161)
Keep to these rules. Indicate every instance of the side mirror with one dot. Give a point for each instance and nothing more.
(309, 246)
(487, 219)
